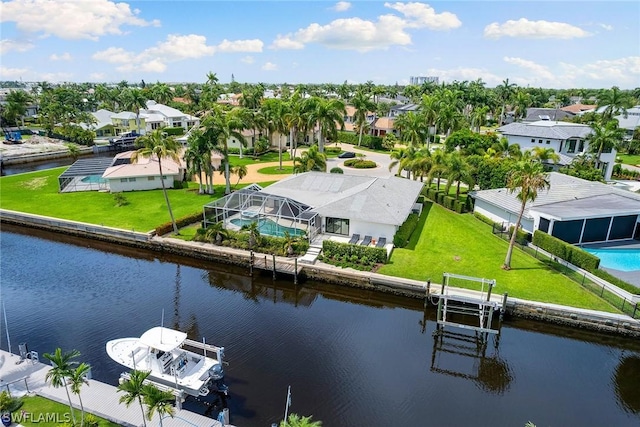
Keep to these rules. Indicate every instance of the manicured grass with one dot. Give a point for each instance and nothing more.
(37, 193)
(235, 160)
(43, 412)
(461, 244)
(629, 159)
(275, 170)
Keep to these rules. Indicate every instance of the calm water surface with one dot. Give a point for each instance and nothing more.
(352, 358)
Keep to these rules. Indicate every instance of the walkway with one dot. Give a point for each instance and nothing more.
(98, 398)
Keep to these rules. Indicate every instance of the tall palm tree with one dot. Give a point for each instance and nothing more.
(157, 145)
(63, 364)
(78, 378)
(241, 171)
(310, 160)
(458, 170)
(296, 120)
(527, 178)
(363, 105)
(614, 101)
(275, 111)
(162, 93)
(134, 390)
(505, 91)
(412, 129)
(479, 117)
(158, 401)
(438, 167)
(603, 138)
(16, 105)
(198, 159)
(327, 115)
(545, 155)
(429, 106)
(134, 99)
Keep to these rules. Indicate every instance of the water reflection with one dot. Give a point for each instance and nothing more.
(464, 354)
(627, 383)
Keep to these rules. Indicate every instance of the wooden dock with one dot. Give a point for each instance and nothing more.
(276, 264)
(98, 398)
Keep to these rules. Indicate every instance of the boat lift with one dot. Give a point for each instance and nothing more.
(478, 307)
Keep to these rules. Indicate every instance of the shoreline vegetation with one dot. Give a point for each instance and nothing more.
(443, 242)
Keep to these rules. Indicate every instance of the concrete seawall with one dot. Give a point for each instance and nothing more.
(553, 313)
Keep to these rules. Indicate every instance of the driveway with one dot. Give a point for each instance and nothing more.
(382, 160)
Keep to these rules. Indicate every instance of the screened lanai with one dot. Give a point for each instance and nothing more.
(274, 214)
(85, 175)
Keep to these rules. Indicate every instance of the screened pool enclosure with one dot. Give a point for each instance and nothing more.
(274, 214)
(85, 175)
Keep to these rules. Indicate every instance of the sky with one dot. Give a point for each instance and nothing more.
(555, 44)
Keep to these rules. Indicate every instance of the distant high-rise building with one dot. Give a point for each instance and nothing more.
(420, 80)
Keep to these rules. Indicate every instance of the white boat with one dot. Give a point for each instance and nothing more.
(160, 351)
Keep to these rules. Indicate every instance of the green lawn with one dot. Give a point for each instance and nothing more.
(43, 412)
(629, 159)
(275, 170)
(461, 244)
(37, 193)
(271, 156)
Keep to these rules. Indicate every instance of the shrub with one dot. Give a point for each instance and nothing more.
(566, 251)
(522, 237)
(403, 234)
(173, 131)
(167, 227)
(356, 254)
(336, 170)
(616, 281)
(368, 141)
(120, 199)
(360, 163)
(333, 149)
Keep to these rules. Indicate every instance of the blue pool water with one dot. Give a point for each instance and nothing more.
(267, 226)
(618, 259)
(93, 179)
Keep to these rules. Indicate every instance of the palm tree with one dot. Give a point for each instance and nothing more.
(527, 178)
(521, 102)
(288, 243)
(241, 171)
(438, 166)
(73, 151)
(429, 106)
(275, 111)
(162, 93)
(134, 390)
(158, 401)
(16, 105)
(215, 232)
(412, 129)
(62, 366)
(544, 155)
(479, 117)
(198, 159)
(78, 378)
(310, 160)
(614, 101)
(254, 233)
(505, 92)
(295, 420)
(363, 104)
(134, 99)
(327, 114)
(603, 138)
(295, 118)
(458, 170)
(157, 146)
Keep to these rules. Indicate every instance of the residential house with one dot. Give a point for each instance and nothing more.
(572, 209)
(123, 175)
(169, 116)
(103, 125)
(568, 140)
(126, 121)
(578, 109)
(350, 120)
(552, 114)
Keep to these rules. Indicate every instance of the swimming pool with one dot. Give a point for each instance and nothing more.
(93, 179)
(269, 227)
(618, 259)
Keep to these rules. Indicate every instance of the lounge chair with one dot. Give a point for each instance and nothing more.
(381, 242)
(354, 239)
(366, 241)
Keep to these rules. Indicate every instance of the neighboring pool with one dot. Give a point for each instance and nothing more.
(267, 226)
(618, 259)
(93, 179)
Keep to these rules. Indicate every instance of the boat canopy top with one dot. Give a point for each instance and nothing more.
(163, 339)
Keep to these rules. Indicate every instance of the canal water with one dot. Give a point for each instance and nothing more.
(351, 357)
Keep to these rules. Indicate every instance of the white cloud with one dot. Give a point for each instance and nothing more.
(534, 30)
(12, 73)
(8, 45)
(98, 77)
(269, 66)
(606, 26)
(342, 6)
(465, 73)
(623, 71)
(365, 35)
(253, 45)
(55, 77)
(421, 15)
(248, 59)
(64, 57)
(151, 66)
(537, 73)
(71, 19)
(114, 55)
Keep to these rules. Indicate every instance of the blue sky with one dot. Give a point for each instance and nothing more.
(559, 44)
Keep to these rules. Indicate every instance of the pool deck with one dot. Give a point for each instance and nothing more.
(632, 277)
(101, 399)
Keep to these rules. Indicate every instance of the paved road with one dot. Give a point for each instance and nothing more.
(383, 161)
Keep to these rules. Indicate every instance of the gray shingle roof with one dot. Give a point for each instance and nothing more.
(371, 199)
(572, 197)
(546, 129)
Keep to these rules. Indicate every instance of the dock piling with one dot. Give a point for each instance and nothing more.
(274, 266)
(295, 271)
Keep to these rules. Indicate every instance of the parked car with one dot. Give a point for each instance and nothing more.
(124, 138)
(347, 155)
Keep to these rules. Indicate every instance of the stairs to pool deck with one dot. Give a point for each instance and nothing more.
(312, 254)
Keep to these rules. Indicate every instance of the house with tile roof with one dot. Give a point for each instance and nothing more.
(568, 140)
(123, 175)
(572, 209)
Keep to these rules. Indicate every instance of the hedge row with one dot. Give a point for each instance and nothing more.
(167, 227)
(173, 131)
(368, 141)
(449, 202)
(360, 164)
(357, 254)
(522, 237)
(405, 231)
(566, 251)
(616, 281)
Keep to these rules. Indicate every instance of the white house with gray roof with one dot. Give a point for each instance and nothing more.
(572, 209)
(568, 140)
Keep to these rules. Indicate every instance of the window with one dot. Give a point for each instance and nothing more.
(539, 141)
(533, 140)
(572, 146)
(581, 147)
(155, 126)
(123, 179)
(132, 180)
(337, 226)
(548, 142)
(151, 178)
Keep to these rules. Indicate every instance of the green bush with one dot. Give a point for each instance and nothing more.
(403, 234)
(522, 237)
(167, 227)
(616, 281)
(566, 251)
(357, 254)
(173, 131)
(448, 202)
(360, 163)
(336, 170)
(333, 149)
(368, 141)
